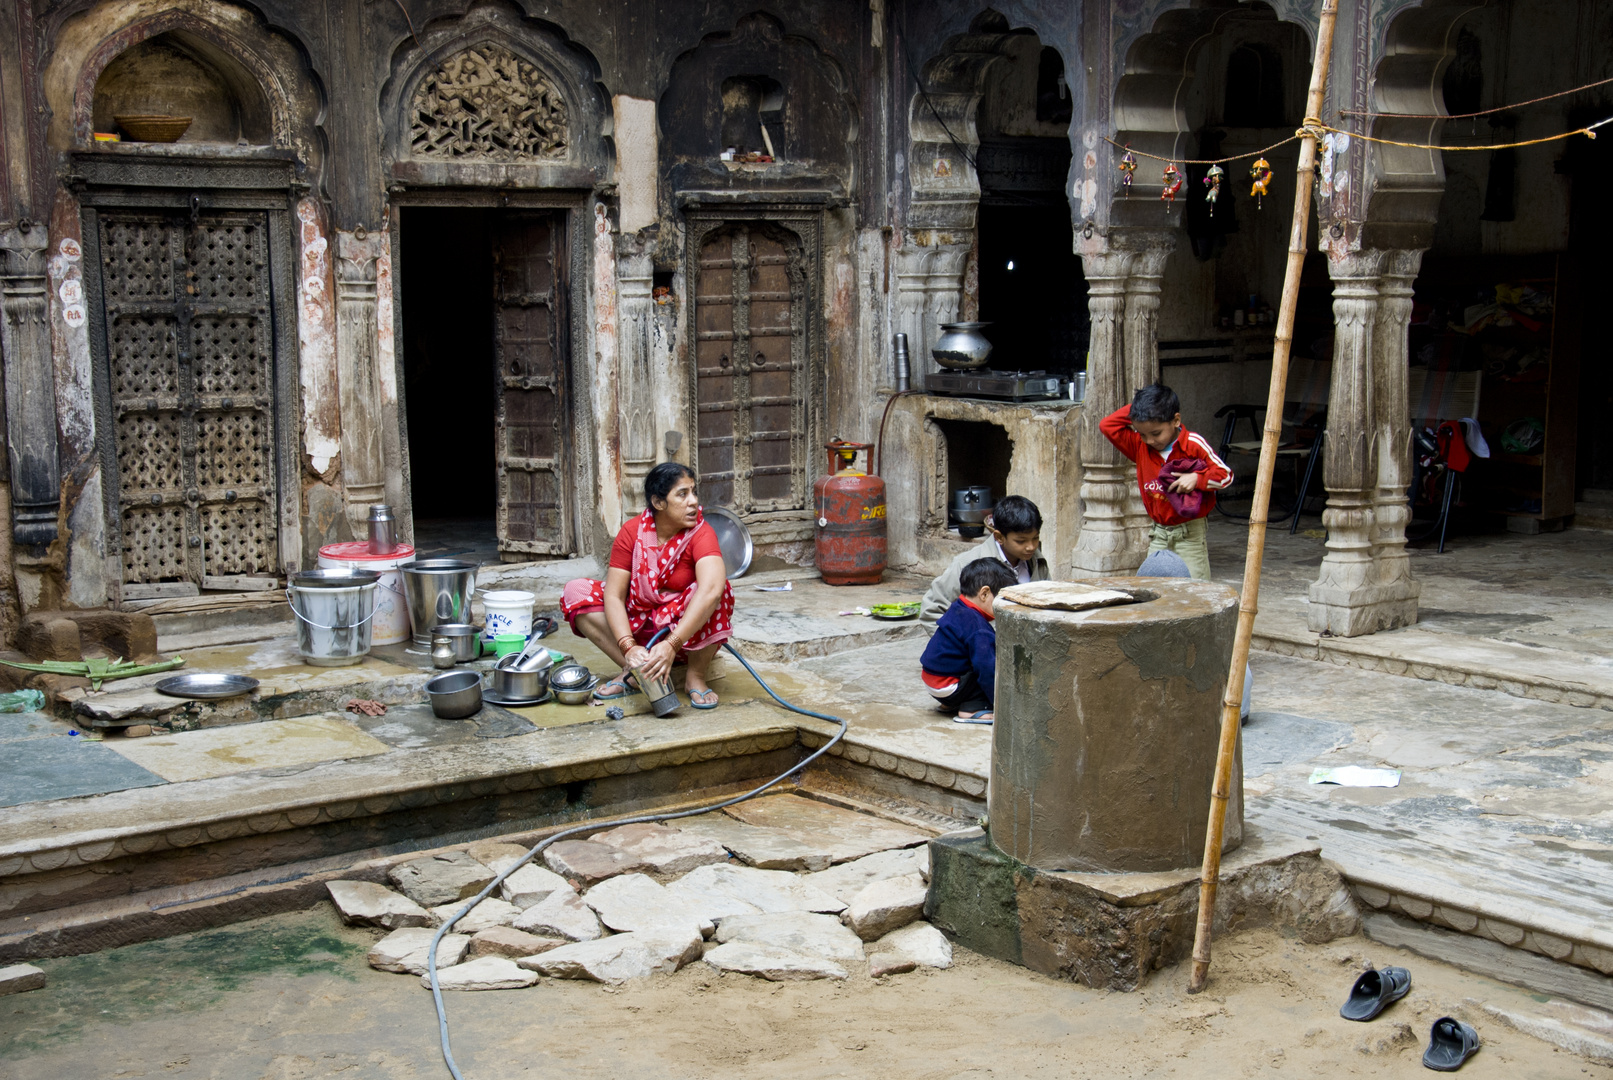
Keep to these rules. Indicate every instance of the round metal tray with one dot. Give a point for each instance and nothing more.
(495, 699)
(893, 618)
(734, 539)
(207, 687)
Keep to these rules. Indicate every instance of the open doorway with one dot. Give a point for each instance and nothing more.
(448, 375)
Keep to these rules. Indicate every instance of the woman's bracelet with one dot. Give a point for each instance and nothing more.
(626, 643)
(674, 640)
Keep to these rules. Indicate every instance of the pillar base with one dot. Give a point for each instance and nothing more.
(1343, 611)
(1108, 931)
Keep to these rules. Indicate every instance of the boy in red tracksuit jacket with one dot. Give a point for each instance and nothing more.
(1177, 472)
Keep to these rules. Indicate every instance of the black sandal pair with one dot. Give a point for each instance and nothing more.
(1450, 1043)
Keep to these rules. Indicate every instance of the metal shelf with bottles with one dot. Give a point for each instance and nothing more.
(1514, 321)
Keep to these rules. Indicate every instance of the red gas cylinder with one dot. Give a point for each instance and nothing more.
(851, 519)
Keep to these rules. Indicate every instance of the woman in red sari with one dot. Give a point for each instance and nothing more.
(666, 570)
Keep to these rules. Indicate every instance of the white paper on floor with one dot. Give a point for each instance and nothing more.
(788, 586)
(1356, 776)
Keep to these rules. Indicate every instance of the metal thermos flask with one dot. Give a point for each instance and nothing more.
(663, 699)
(383, 530)
(904, 365)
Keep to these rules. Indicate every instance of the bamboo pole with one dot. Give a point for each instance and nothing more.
(1248, 600)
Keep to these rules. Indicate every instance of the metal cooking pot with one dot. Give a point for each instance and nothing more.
(455, 695)
(962, 346)
(521, 684)
(438, 591)
(975, 497)
(463, 637)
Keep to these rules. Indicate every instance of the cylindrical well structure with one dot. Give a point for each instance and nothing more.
(1107, 726)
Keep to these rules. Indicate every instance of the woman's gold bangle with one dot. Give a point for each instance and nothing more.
(626, 642)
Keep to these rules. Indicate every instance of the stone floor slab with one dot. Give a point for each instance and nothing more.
(237, 748)
(772, 963)
(797, 931)
(63, 767)
(840, 835)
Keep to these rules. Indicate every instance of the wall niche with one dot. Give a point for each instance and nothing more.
(181, 74)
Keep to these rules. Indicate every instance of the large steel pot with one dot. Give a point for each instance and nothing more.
(962, 346)
(438, 591)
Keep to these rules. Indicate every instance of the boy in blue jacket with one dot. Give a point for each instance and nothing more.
(960, 662)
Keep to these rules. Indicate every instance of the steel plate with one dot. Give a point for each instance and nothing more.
(206, 687)
(734, 539)
(498, 699)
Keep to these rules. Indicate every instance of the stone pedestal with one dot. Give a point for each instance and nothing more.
(1109, 931)
(1108, 722)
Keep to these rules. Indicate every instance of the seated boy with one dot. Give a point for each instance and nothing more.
(960, 662)
(1177, 472)
(1014, 536)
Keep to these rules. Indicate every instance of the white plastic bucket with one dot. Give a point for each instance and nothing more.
(508, 611)
(390, 624)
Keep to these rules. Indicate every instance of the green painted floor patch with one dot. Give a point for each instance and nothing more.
(55, 766)
(182, 974)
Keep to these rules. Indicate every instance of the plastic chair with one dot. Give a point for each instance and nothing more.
(1436, 397)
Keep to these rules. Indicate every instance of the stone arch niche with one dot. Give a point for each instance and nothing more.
(495, 98)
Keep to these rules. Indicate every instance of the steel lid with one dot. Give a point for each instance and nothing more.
(336, 577)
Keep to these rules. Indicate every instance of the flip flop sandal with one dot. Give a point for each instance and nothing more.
(628, 689)
(1450, 1044)
(1374, 991)
(980, 717)
(697, 698)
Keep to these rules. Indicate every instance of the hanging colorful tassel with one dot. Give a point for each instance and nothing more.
(1260, 173)
(1128, 166)
(1173, 184)
(1212, 180)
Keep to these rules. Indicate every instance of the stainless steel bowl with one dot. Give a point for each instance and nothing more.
(513, 683)
(455, 695)
(569, 676)
(463, 636)
(580, 695)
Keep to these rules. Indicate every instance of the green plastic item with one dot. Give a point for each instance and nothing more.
(97, 671)
(505, 644)
(22, 701)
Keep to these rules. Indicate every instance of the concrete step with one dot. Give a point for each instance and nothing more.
(1593, 515)
(1599, 496)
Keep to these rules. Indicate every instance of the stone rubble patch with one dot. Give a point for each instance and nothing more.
(531, 885)
(562, 914)
(795, 931)
(487, 973)
(763, 848)
(887, 905)
(631, 902)
(364, 903)
(725, 889)
(585, 862)
(662, 849)
(619, 957)
(489, 913)
(772, 963)
(849, 878)
(405, 951)
(440, 879)
(915, 945)
(840, 833)
(510, 942)
(18, 978)
(496, 855)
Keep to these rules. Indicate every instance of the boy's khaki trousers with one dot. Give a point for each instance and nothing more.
(1188, 541)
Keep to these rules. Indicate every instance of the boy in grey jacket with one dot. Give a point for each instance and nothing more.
(1015, 536)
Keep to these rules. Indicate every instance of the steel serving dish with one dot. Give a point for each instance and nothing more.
(205, 686)
(733, 538)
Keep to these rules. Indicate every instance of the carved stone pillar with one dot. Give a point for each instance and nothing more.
(357, 359)
(929, 291)
(30, 387)
(1104, 546)
(1365, 583)
(1142, 363)
(636, 404)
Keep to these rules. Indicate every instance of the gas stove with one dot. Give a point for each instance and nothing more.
(1013, 385)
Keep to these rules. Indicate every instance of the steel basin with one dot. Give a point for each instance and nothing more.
(455, 695)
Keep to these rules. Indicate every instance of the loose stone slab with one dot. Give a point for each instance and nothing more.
(850, 878)
(20, 977)
(488, 973)
(630, 902)
(828, 834)
(619, 957)
(405, 951)
(724, 889)
(510, 942)
(489, 913)
(588, 863)
(561, 914)
(796, 931)
(364, 903)
(662, 849)
(495, 854)
(531, 885)
(914, 945)
(771, 962)
(887, 905)
(766, 849)
(440, 879)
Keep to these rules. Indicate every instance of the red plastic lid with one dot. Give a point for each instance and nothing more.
(359, 551)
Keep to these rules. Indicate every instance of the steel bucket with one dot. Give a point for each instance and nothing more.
(438, 591)
(333, 609)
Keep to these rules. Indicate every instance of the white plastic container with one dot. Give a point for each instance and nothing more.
(391, 622)
(508, 611)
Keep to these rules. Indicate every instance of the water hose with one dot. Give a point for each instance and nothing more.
(431, 958)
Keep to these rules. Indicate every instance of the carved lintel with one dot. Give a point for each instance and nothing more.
(29, 384)
(486, 103)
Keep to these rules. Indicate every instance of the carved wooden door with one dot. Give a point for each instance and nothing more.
(531, 411)
(750, 369)
(191, 356)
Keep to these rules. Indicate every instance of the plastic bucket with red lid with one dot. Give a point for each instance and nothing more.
(391, 621)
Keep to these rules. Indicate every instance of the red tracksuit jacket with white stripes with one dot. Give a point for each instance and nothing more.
(1116, 427)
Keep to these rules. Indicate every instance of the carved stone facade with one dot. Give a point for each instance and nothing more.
(486, 102)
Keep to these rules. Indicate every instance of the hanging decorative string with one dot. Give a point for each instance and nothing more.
(1589, 131)
(1473, 115)
(1203, 161)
